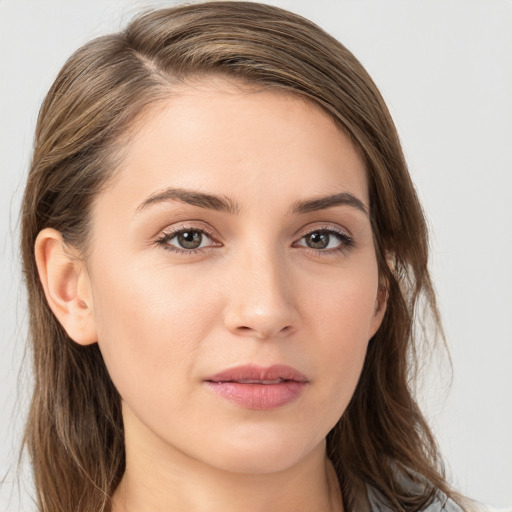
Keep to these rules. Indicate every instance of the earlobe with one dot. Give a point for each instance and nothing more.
(65, 282)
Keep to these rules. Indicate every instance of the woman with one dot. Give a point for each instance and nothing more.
(224, 254)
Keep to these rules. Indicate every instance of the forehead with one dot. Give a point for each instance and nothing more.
(223, 138)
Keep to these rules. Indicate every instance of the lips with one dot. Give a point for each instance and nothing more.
(259, 388)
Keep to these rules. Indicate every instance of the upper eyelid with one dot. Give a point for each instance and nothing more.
(340, 232)
(324, 227)
(184, 226)
(194, 225)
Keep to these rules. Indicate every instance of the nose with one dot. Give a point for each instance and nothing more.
(261, 300)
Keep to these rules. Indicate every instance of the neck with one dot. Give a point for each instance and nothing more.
(167, 480)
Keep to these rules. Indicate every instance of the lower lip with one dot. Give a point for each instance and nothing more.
(262, 397)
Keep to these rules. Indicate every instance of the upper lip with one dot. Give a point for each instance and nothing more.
(252, 374)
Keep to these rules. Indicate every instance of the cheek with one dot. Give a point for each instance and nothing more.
(147, 324)
(343, 316)
(343, 303)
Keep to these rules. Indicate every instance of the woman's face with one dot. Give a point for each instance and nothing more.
(233, 278)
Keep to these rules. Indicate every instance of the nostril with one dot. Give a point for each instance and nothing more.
(263, 333)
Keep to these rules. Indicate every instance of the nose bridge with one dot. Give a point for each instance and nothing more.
(261, 299)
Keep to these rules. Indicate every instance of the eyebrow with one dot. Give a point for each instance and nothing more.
(193, 198)
(321, 203)
(225, 204)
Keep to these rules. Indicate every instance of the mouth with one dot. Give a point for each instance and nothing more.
(258, 388)
(252, 374)
(255, 381)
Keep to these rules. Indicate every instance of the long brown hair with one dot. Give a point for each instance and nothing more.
(74, 432)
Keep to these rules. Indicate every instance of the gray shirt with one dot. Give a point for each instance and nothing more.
(375, 502)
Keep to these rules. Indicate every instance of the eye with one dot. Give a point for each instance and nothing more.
(190, 239)
(326, 240)
(186, 240)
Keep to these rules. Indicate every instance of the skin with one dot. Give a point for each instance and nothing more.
(254, 292)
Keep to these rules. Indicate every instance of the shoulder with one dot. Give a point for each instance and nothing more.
(376, 502)
(441, 503)
(447, 505)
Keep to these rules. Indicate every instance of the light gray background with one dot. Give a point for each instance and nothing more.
(445, 69)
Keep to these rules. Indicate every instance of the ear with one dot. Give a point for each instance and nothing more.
(381, 303)
(381, 300)
(66, 285)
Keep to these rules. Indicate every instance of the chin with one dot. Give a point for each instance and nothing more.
(262, 455)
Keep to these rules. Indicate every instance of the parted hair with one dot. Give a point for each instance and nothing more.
(74, 431)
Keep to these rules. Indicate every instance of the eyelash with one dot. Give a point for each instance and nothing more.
(346, 241)
(164, 239)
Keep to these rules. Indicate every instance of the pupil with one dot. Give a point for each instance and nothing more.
(318, 240)
(190, 239)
